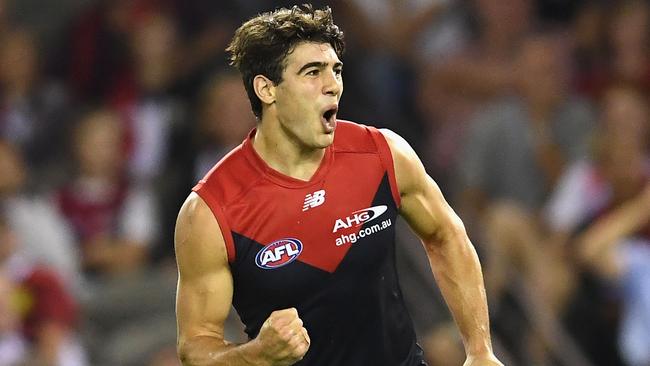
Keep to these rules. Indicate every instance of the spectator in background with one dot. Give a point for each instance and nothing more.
(611, 193)
(115, 223)
(518, 146)
(516, 150)
(113, 219)
(614, 39)
(485, 68)
(589, 34)
(205, 27)
(394, 27)
(541, 249)
(480, 70)
(617, 248)
(629, 35)
(98, 47)
(145, 100)
(53, 243)
(99, 41)
(153, 115)
(224, 120)
(45, 311)
(584, 190)
(32, 109)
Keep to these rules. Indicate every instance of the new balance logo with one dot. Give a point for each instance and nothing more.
(314, 200)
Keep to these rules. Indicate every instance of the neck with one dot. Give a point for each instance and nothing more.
(285, 153)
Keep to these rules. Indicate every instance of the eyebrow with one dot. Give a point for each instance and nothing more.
(318, 64)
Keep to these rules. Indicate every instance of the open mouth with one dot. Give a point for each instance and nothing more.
(329, 119)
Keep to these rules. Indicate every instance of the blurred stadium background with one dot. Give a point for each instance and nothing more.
(532, 116)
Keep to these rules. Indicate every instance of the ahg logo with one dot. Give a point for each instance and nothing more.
(360, 217)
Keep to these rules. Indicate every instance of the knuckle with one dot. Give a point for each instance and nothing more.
(277, 324)
(286, 335)
(300, 350)
(293, 344)
(277, 331)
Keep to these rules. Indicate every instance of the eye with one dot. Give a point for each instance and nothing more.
(313, 72)
(338, 71)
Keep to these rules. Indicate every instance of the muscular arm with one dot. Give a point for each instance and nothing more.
(453, 259)
(204, 293)
(204, 298)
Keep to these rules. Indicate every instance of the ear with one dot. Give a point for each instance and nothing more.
(264, 89)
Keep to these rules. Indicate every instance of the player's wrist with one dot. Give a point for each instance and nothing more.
(486, 359)
(481, 349)
(253, 353)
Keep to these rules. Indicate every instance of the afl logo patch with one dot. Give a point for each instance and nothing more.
(279, 253)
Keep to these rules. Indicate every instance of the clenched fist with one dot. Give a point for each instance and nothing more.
(283, 339)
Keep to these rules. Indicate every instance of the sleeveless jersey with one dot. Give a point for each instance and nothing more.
(324, 246)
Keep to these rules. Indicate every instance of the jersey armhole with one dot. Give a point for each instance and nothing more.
(220, 216)
(387, 161)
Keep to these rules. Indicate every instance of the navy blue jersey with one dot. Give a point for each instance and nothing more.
(324, 246)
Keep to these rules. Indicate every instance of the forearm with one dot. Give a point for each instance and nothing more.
(457, 271)
(209, 351)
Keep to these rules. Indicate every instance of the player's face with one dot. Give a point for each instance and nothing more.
(307, 99)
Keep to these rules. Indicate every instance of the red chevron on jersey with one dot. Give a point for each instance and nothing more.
(250, 198)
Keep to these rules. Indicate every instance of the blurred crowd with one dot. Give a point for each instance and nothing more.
(532, 116)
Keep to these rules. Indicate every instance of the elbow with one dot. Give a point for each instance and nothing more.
(450, 235)
(182, 357)
(200, 350)
(185, 353)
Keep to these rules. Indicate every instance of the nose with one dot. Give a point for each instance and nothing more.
(332, 83)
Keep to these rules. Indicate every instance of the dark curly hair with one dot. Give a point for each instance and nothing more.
(261, 45)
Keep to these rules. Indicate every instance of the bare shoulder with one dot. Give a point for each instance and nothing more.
(194, 208)
(409, 170)
(396, 142)
(198, 240)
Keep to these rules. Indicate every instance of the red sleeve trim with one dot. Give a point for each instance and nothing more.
(387, 160)
(220, 216)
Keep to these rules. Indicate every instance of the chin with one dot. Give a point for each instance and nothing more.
(324, 140)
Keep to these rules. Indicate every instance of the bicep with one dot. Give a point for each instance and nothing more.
(428, 213)
(423, 205)
(204, 293)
